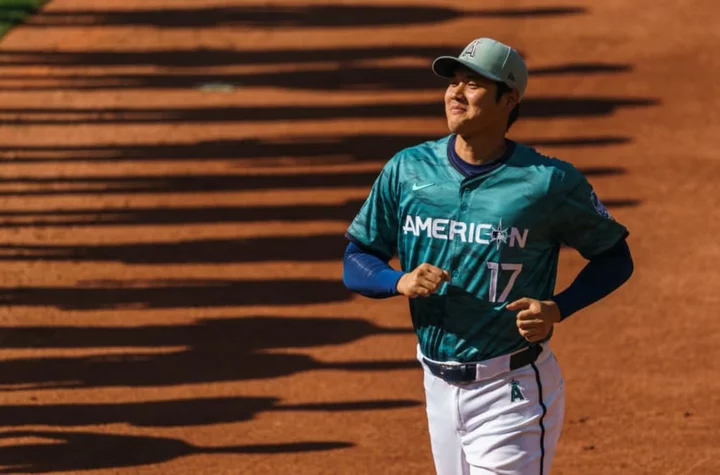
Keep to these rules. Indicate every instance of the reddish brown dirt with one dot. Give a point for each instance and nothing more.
(153, 320)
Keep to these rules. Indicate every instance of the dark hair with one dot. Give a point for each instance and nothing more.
(502, 89)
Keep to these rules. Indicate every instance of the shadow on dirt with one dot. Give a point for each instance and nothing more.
(162, 216)
(300, 16)
(347, 78)
(177, 293)
(175, 413)
(196, 215)
(322, 247)
(261, 152)
(539, 108)
(188, 183)
(209, 57)
(212, 351)
(54, 451)
(196, 183)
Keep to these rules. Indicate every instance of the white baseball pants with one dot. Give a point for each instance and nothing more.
(506, 423)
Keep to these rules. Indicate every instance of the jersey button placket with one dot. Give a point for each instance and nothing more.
(459, 217)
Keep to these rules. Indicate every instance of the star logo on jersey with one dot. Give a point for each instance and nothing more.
(499, 235)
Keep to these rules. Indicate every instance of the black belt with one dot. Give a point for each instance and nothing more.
(466, 372)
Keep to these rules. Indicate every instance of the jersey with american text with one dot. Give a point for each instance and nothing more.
(498, 234)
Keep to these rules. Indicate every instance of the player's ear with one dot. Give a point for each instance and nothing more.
(512, 98)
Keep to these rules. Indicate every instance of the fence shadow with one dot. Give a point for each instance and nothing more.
(322, 247)
(176, 293)
(305, 150)
(175, 413)
(213, 350)
(540, 108)
(284, 16)
(209, 57)
(57, 451)
(196, 183)
(188, 183)
(347, 77)
(161, 215)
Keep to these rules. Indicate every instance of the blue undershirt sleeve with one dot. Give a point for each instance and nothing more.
(601, 276)
(369, 275)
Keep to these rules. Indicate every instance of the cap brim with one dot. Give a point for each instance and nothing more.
(445, 67)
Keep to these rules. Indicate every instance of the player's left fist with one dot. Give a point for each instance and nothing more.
(535, 318)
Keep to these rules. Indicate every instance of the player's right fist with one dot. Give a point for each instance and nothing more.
(425, 280)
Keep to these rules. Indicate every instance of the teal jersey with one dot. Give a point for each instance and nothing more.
(498, 234)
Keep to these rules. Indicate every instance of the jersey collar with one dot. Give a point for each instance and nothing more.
(469, 170)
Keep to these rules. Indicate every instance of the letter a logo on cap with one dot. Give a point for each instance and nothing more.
(470, 50)
(488, 58)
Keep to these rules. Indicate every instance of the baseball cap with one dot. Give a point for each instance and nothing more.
(488, 58)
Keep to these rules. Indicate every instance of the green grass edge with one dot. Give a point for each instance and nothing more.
(15, 12)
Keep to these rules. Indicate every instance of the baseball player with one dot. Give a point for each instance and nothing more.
(477, 221)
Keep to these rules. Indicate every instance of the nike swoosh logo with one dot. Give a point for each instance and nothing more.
(421, 187)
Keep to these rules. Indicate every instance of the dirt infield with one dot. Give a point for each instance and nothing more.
(176, 180)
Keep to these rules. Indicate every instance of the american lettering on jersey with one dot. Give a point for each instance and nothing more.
(509, 228)
(478, 233)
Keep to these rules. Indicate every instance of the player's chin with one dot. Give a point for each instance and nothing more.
(456, 125)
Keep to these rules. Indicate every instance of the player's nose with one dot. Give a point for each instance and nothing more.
(454, 93)
(458, 97)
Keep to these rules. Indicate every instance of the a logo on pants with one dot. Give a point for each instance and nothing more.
(515, 393)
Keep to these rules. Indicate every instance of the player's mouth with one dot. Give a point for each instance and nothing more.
(457, 109)
(457, 104)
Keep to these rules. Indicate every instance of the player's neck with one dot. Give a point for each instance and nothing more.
(480, 149)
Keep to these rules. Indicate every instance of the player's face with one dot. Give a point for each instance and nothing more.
(471, 104)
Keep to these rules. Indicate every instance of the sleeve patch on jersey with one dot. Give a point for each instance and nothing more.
(599, 206)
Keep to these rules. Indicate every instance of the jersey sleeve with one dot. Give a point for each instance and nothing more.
(582, 220)
(376, 225)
